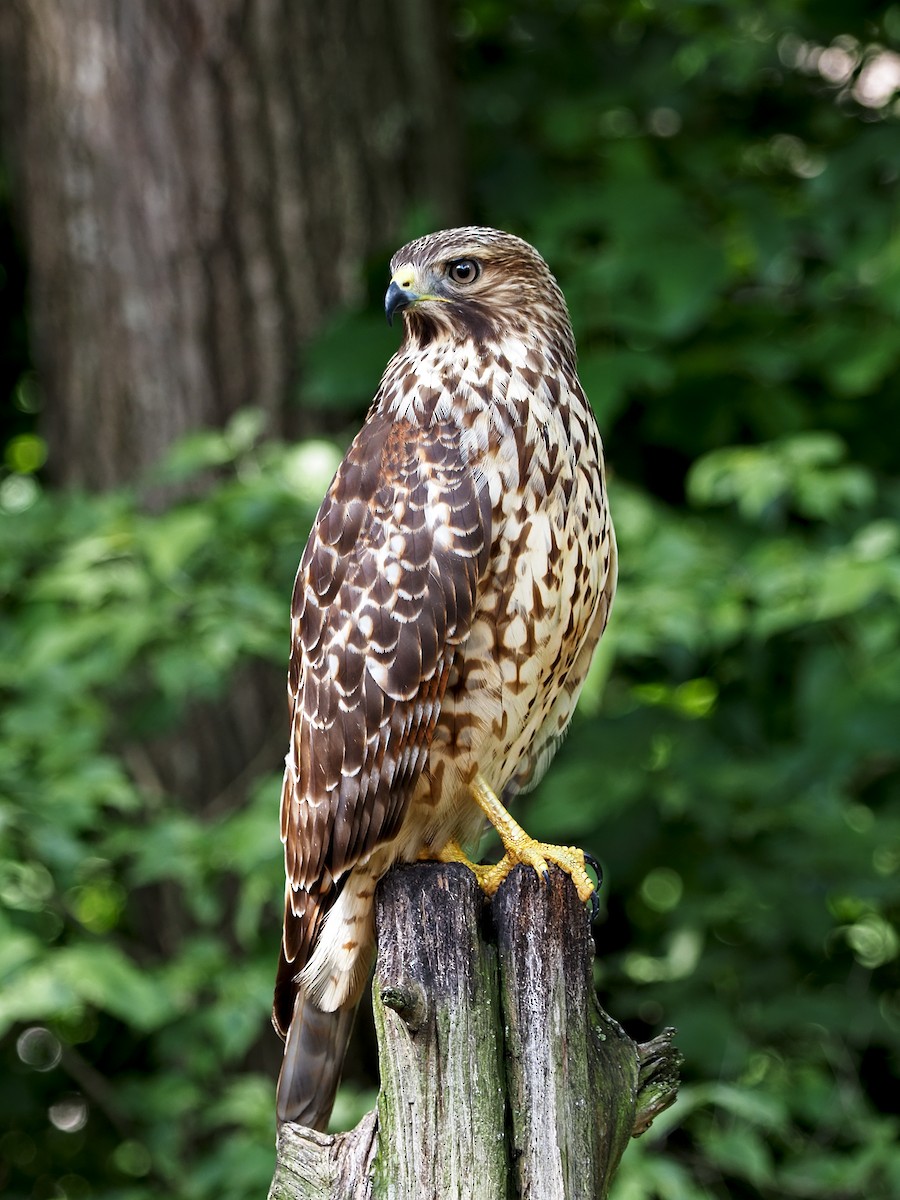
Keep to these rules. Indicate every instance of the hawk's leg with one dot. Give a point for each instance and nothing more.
(520, 848)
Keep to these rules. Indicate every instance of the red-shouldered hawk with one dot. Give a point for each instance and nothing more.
(454, 587)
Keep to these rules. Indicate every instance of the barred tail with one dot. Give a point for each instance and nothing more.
(313, 1057)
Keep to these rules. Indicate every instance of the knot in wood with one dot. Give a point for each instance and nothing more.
(408, 1001)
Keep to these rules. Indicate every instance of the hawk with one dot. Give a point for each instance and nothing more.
(455, 584)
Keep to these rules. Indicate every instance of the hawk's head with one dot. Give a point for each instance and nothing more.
(475, 284)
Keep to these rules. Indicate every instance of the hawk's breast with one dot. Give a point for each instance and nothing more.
(542, 601)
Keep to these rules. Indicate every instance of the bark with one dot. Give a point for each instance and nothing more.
(500, 1074)
(199, 182)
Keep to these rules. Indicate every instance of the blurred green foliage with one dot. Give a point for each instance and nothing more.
(716, 186)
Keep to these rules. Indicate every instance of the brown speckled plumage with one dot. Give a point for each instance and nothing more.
(454, 587)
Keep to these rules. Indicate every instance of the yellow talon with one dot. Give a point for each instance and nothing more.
(520, 848)
(538, 855)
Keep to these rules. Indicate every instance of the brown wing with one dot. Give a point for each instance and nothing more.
(384, 595)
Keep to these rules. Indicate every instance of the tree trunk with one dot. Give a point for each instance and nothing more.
(500, 1074)
(199, 182)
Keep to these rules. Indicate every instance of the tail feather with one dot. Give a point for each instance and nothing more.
(313, 1058)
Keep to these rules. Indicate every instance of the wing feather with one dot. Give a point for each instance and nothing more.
(385, 593)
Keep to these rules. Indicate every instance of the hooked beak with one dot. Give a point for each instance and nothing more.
(397, 298)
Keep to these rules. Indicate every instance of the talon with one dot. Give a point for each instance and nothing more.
(598, 870)
(520, 848)
(595, 894)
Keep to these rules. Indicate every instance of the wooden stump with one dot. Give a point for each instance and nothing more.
(501, 1076)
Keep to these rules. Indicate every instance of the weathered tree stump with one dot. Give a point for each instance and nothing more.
(501, 1076)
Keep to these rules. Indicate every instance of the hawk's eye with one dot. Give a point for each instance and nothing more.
(463, 270)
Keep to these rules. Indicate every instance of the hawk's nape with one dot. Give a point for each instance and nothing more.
(455, 584)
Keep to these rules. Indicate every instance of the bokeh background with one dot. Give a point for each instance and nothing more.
(197, 205)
